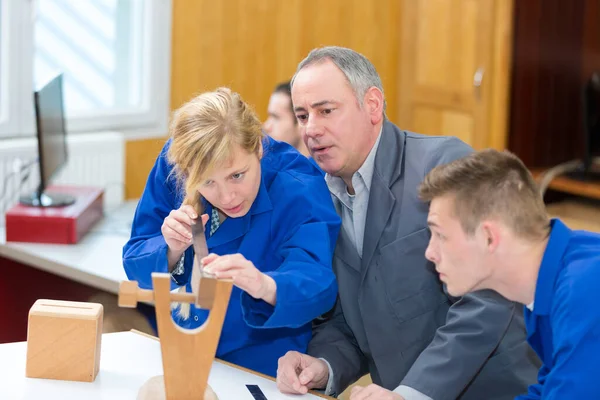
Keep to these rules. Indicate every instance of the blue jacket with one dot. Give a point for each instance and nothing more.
(289, 233)
(314, 162)
(564, 326)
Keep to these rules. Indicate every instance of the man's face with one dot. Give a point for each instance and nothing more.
(460, 260)
(334, 127)
(281, 123)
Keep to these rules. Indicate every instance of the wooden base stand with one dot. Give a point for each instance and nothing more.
(154, 389)
(187, 355)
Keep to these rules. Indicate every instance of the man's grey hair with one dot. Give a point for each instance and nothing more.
(359, 71)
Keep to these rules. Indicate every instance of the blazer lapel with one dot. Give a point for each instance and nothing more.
(388, 169)
(381, 203)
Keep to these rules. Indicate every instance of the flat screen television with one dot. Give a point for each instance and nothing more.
(52, 144)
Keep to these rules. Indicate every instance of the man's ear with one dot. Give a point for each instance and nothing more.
(373, 103)
(490, 234)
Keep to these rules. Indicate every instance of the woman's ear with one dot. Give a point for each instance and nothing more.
(260, 150)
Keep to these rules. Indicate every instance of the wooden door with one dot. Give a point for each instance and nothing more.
(454, 69)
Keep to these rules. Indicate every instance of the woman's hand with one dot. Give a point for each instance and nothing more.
(244, 275)
(177, 231)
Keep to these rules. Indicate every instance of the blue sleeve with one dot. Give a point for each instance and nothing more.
(146, 250)
(306, 284)
(575, 335)
(316, 165)
(534, 392)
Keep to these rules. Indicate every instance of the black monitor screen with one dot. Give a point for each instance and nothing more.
(51, 129)
(52, 144)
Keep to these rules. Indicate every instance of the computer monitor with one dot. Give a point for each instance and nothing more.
(52, 144)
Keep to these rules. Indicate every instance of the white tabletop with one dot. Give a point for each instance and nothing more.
(95, 261)
(127, 361)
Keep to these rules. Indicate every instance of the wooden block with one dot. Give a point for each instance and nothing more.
(128, 294)
(63, 340)
(206, 291)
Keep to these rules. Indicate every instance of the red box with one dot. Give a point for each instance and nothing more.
(62, 225)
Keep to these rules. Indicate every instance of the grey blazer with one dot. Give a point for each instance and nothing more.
(393, 318)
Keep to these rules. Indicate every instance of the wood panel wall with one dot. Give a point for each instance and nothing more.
(556, 46)
(251, 45)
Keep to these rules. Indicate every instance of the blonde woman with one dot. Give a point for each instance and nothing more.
(271, 228)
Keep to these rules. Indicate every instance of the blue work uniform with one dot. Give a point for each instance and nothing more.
(564, 326)
(314, 162)
(289, 233)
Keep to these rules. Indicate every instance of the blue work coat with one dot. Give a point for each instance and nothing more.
(289, 233)
(314, 162)
(564, 326)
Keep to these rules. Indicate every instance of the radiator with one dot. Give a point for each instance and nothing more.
(94, 159)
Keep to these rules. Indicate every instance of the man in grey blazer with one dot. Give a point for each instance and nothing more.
(393, 318)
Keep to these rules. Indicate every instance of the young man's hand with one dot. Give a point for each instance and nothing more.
(373, 392)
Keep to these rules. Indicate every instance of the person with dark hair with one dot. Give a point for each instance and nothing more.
(281, 123)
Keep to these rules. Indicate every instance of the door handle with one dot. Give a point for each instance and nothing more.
(478, 81)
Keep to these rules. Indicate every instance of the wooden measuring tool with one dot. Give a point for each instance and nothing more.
(187, 355)
(205, 287)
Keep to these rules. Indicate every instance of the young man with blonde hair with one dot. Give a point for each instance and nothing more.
(489, 230)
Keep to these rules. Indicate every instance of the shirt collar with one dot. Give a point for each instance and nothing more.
(262, 202)
(337, 186)
(550, 266)
(366, 170)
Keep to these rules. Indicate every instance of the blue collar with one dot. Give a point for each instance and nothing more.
(262, 202)
(551, 266)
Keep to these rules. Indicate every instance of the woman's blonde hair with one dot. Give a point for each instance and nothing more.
(204, 131)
